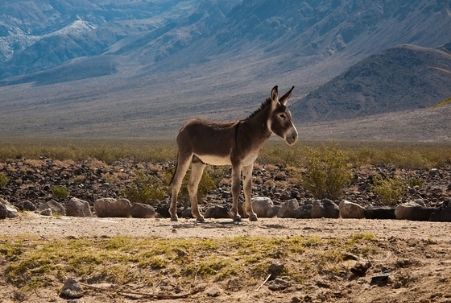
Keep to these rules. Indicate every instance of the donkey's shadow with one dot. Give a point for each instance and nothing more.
(226, 223)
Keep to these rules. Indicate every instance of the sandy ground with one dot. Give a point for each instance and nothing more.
(426, 244)
(51, 227)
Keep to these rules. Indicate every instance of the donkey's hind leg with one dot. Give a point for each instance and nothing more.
(197, 169)
(183, 162)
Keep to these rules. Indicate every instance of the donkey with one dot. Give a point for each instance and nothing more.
(235, 143)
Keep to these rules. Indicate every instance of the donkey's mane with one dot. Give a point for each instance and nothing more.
(261, 108)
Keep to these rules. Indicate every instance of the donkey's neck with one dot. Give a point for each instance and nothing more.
(257, 127)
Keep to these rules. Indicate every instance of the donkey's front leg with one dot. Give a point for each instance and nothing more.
(247, 174)
(236, 188)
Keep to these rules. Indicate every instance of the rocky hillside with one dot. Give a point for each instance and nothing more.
(121, 68)
(400, 78)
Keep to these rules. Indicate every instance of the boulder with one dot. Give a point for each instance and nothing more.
(351, 210)
(262, 206)
(78, 208)
(325, 209)
(442, 213)
(110, 207)
(289, 209)
(27, 205)
(217, 212)
(71, 290)
(7, 209)
(46, 212)
(379, 212)
(140, 210)
(56, 207)
(273, 211)
(413, 211)
(304, 211)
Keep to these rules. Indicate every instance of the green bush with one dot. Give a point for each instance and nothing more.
(3, 180)
(60, 192)
(147, 189)
(390, 190)
(327, 172)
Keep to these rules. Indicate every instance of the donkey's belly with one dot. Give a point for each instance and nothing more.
(215, 160)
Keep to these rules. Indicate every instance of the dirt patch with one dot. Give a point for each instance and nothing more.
(318, 260)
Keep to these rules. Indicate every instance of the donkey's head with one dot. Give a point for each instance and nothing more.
(279, 120)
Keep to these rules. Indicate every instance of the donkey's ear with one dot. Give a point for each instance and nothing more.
(275, 95)
(283, 100)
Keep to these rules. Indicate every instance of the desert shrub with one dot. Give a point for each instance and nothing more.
(60, 192)
(147, 189)
(327, 172)
(3, 180)
(415, 181)
(390, 190)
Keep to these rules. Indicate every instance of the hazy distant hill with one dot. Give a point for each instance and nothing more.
(400, 78)
(104, 67)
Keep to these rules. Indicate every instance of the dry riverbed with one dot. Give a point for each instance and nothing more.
(142, 260)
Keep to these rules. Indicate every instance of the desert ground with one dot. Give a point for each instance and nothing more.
(412, 259)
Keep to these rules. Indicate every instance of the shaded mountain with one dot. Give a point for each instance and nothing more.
(400, 78)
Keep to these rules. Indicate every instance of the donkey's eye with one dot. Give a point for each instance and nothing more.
(282, 116)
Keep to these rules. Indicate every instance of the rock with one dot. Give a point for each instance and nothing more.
(360, 268)
(380, 280)
(217, 212)
(275, 269)
(184, 213)
(27, 205)
(413, 211)
(262, 206)
(304, 211)
(110, 207)
(78, 208)
(288, 209)
(351, 210)
(140, 210)
(278, 284)
(379, 212)
(213, 291)
(442, 213)
(349, 256)
(3, 213)
(273, 211)
(8, 210)
(56, 207)
(71, 290)
(46, 212)
(325, 209)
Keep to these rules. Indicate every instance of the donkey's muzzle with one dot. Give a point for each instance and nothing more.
(291, 137)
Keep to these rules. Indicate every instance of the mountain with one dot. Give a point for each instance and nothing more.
(140, 68)
(399, 78)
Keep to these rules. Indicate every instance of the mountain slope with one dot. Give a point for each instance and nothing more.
(400, 78)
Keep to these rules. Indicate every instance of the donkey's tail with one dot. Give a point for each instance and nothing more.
(175, 169)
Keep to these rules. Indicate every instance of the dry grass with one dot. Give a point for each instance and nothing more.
(403, 155)
(35, 263)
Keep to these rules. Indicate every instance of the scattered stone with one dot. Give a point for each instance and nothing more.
(213, 291)
(442, 213)
(289, 209)
(360, 268)
(278, 284)
(110, 207)
(217, 212)
(349, 256)
(413, 211)
(56, 207)
(46, 212)
(351, 210)
(295, 300)
(78, 208)
(325, 208)
(140, 210)
(71, 290)
(262, 206)
(379, 212)
(380, 280)
(7, 209)
(275, 269)
(27, 205)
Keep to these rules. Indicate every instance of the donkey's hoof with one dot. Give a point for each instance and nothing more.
(253, 217)
(200, 220)
(237, 218)
(174, 218)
